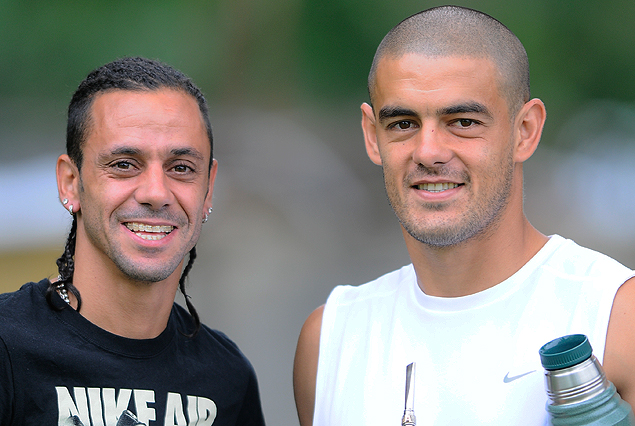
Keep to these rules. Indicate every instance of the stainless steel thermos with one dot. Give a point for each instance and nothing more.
(578, 390)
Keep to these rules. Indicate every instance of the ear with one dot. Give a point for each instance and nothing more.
(68, 182)
(529, 123)
(210, 188)
(370, 133)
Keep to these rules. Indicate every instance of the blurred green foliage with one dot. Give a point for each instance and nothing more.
(283, 53)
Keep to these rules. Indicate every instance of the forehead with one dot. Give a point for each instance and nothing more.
(159, 117)
(435, 81)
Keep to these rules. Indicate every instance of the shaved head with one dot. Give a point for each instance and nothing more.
(456, 31)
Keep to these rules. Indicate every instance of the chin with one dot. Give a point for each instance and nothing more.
(148, 273)
(441, 237)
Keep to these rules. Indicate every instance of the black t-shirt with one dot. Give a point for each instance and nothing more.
(57, 368)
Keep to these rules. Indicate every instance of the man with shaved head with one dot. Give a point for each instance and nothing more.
(451, 123)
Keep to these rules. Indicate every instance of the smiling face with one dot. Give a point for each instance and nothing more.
(145, 183)
(442, 132)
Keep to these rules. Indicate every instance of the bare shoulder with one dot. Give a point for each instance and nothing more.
(305, 366)
(619, 353)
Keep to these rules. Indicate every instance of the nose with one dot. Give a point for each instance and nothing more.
(154, 189)
(431, 147)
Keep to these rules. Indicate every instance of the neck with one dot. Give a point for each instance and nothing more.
(119, 305)
(474, 265)
(135, 312)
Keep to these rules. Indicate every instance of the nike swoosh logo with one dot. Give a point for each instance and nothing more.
(508, 379)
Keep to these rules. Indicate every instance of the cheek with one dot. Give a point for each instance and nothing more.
(395, 156)
(480, 158)
(191, 203)
(492, 168)
(101, 202)
(389, 169)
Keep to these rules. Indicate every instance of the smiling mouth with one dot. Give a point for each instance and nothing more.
(149, 232)
(437, 187)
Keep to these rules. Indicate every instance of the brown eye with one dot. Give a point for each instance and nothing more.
(123, 165)
(464, 122)
(182, 169)
(402, 125)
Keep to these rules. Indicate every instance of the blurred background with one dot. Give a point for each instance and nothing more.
(298, 208)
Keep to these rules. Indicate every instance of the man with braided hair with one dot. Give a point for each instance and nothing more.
(105, 343)
(451, 123)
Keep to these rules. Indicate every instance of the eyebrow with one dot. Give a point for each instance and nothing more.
(176, 152)
(123, 150)
(392, 112)
(469, 107)
(388, 112)
(190, 152)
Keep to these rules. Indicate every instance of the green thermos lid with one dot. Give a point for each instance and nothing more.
(565, 351)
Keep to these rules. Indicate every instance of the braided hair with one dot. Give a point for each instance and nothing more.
(66, 267)
(190, 306)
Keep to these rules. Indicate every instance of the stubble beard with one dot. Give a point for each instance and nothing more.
(477, 221)
(135, 270)
(139, 274)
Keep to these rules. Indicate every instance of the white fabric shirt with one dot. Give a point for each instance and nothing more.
(476, 356)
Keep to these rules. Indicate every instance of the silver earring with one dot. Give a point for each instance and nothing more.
(70, 209)
(65, 201)
(209, 211)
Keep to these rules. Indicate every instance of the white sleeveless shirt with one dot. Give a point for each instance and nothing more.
(476, 356)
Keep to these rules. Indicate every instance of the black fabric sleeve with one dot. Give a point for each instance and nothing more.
(6, 386)
(251, 411)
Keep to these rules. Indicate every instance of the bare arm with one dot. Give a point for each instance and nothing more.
(619, 353)
(305, 367)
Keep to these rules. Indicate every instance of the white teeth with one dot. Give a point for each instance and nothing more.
(160, 230)
(151, 237)
(437, 187)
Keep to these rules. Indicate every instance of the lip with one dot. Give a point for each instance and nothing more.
(436, 189)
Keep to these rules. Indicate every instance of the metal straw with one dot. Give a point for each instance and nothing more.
(409, 418)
